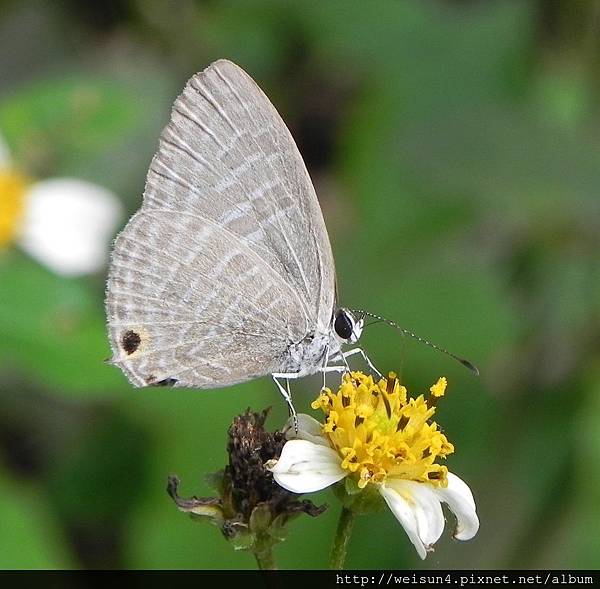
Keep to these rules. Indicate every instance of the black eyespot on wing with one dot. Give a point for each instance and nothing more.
(131, 341)
(166, 382)
(343, 324)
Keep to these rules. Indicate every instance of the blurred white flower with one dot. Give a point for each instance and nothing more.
(382, 440)
(64, 223)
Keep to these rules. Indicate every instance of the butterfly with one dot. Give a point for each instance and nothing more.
(226, 273)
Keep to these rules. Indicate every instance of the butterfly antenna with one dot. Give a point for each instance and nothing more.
(463, 361)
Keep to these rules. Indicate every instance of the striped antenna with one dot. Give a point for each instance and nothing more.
(463, 361)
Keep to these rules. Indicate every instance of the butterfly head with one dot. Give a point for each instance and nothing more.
(347, 327)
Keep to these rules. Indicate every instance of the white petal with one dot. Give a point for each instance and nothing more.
(5, 159)
(406, 516)
(425, 507)
(308, 429)
(460, 500)
(68, 225)
(304, 467)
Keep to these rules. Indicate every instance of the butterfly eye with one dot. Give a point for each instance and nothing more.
(343, 325)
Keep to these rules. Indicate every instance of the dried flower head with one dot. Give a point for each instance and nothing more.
(251, 510)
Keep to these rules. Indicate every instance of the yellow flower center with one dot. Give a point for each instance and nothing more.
(12, 199)
(380, 432)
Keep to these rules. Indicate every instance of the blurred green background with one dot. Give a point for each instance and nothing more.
(455, 151)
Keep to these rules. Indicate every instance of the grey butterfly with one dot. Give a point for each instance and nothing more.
(226, 273)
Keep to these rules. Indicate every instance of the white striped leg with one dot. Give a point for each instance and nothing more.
(286, 394)
(285, 391)
(295, 375)
(360, 351)
(323, 368)
(326, 368)
(338, 369)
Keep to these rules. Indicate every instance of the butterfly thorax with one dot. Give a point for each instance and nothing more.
(318, 347)
(310, 354)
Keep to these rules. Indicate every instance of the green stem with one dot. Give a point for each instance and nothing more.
(265, 559)
(342, 539)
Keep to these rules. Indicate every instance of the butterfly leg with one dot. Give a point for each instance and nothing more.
(285, 391)
(326, 368)
(286, 394)
(324, 385)
(338, 369)
(360, 351)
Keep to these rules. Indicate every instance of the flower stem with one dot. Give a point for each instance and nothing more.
(342, 539)
(265, 559)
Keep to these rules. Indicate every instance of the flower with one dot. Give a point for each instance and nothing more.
(251, 511)
(376, 437)
(64, 223)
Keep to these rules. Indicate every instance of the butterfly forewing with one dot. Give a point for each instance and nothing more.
(227, 155)
(228, 261)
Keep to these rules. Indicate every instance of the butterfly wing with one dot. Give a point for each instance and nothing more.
(228, 260)
(190, 301)
(227, 155)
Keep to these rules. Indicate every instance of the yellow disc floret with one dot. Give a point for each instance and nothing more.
(12, 200)
(439, 388)
(380, 432)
